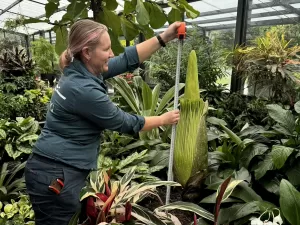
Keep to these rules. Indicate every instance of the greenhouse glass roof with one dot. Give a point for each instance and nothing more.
(214, 15)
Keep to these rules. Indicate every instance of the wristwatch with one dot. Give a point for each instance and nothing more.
(162, 43)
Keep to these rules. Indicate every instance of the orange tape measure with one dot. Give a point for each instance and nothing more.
(181, 31)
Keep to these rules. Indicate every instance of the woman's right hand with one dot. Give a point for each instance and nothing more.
(171, 117)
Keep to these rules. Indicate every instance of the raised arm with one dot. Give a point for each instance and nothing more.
(135, 55)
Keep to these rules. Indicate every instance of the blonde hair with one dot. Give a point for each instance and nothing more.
(82, 33)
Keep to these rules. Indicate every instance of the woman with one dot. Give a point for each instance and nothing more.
(79, 111)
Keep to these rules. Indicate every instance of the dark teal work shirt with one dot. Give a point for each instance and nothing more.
(80, 110)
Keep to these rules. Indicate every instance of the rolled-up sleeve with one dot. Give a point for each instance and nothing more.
(94, 105)
(125, 62)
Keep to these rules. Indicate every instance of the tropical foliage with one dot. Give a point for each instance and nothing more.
(138, 16)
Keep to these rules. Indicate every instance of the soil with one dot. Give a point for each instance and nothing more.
(152, 202)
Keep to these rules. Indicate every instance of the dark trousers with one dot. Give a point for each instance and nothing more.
(51, 208)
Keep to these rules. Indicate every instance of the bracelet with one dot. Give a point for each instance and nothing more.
(161, 42)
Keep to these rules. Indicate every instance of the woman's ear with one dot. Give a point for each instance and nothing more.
(86, 53)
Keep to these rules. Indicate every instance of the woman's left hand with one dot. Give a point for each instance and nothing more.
(171, 32)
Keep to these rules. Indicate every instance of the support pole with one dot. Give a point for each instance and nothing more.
(242, 22)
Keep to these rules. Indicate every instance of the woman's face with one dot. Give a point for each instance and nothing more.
(101, 55)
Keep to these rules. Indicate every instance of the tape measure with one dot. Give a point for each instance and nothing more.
(181, 34)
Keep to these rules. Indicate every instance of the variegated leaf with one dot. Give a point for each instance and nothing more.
(2, 134)
(24, 149)
(232, 185)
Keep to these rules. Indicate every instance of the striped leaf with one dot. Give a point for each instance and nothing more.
(2, 134)
(187, 206)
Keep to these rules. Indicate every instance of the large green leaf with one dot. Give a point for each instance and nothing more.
(282, 116)
(167, 98)
(51, 7)
(250, 152)
(264, 166)
(147, 99)
(74, 219)
(290, 202)
(111, 20)
(175, 15)
(127, 93)
(187, 206)
(147, 31)
(280, 154)
(232, 135)
(271, 184)
(155, 97)
(130, 30)
(111, 4)
(74, 10)
(142, 15)
(9, 149)
(115, 43)
(129, 6)
(293, 174)
(245, 193)
(297, 107)
(237, 212)
(216, 121)
(157, 15)
(61, 38)
(190, 11)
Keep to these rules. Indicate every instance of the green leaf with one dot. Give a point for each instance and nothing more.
(74, 10)
(3, 190)
(237, 212)
(9, 149)
(264, 166)
(297, 107)
(175, 15)
(127, 93)
(282, 116)
(111, 4)
(155, 97)
(2, 134)
(250, 152)
(290, 202)
(271, 184)
(216, 121)
(131, 158)
(187, 206)
(245, 193)
(51, 7)
(280, 154)
(130, 30)
(61, 39)
(157, 15)
(232, 135)
(147, 99)
(32, 137)
(86, 192)
(190, 11)
(24, 149)
(147, 31)
(166, 99)
(115, 43)
(293, 174)
(111, 20)
(142, 16)
(129, 6)
(74, 219)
